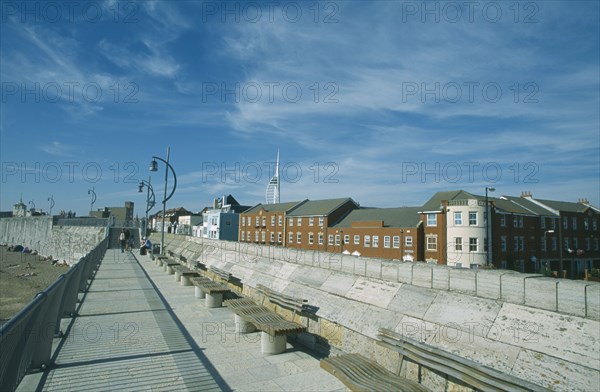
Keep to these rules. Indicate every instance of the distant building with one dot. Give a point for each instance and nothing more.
(222, 220)
(122, 216)
(171, 219)
(274, 187)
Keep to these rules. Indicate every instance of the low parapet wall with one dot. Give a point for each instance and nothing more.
(68, 243)
(543, 330)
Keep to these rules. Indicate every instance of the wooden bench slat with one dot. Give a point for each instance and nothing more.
(466, 370)
(360, 374)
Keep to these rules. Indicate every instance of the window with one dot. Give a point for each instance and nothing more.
(375, 241)
(386, 241)
(543, 222)
(272, 237)
(243, 236)
(249, 221)
(243, 222)
(320, 238)
(273, 220)
(522, 243)
(310, 238)
(256, 221)
(263, 236)
(330, 239)
(279, 238)
(566, 243)
(264, 221)
(575, 243)
(458, 243)
(248, 236)
(356, 239)
(503, 220)
(291, 222)
(472, 218)
(565, 223)
(346, 239)
(503, 243)
(515, 221)
(553, 223)
(596, 244)
(291, 238)
(516, 243)
(367, 241)
(311, 221)
(408, 241)
(279, 220)
(586, 224)
(321, 221)
(432, 243)
(396, 241)
(337, 240)
(473, 244)
(299, 221)
(574, 223)
(587, 244)
(431, 219)
(256, 236)
(298, 237)
(458, 218)
(554, 244)
(543, 244)
(594, 224)
(521, 222)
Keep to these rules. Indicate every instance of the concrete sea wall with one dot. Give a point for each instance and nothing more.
(68, 243)
(543, 330)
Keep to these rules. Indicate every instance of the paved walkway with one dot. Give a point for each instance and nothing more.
(139, 330)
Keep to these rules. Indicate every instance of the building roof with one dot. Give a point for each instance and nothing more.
(564, 206)
(391, 217)
(520, 203)
(278, 207)
(320, 207)
(435, 202)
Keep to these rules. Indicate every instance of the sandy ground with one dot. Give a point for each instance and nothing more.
(22, 276)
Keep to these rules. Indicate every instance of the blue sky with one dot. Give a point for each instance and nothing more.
(385, 102)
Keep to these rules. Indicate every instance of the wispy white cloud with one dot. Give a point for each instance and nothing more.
(58, 149)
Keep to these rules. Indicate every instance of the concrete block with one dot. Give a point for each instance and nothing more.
(332, 261)
(352, 315)
(354, 342)
(331, 306)
(389, 271)
(417, 329)
(422, 275)
(405, 272)
(571, 297)
(541, 292)
(570, 338)
(360, 266)
(592, 301)
(377, 293)
(338, 283)
(441, 277)
(463, 281)
(412, 300)
(373, 268)
(374, 318)
(347, 264)
(489, 283)
(554, 373)
(462, 311)
(513, 287)
(310, 276)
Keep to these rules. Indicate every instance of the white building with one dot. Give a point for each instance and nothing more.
(466, 239)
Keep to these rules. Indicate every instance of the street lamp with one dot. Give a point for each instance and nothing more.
(93, 193)
(153, 168)
(150, 200)
(51, 200)
(487, 224)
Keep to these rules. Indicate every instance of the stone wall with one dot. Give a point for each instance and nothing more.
(543, 330)
(68, 243)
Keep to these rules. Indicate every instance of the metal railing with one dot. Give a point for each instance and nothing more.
(26, 339)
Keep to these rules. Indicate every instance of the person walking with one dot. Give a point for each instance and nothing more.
(127, 236)
(122, 240)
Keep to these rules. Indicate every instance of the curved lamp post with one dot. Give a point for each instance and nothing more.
(51, 200)
(93, 193)
(487, 224)
(154, 167)
(150, 200)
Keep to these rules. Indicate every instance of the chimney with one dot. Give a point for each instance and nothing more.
(583, 200)
(526, 194)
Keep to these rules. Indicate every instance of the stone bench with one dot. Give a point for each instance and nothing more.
(274, 328)
(160, 259)
(183, 274)
(212, 292)
(169, 266)
(469, 372)
(360, 374)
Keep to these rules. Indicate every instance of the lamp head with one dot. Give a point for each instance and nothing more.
(490, 188)
(153, 166)
(140, 187)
